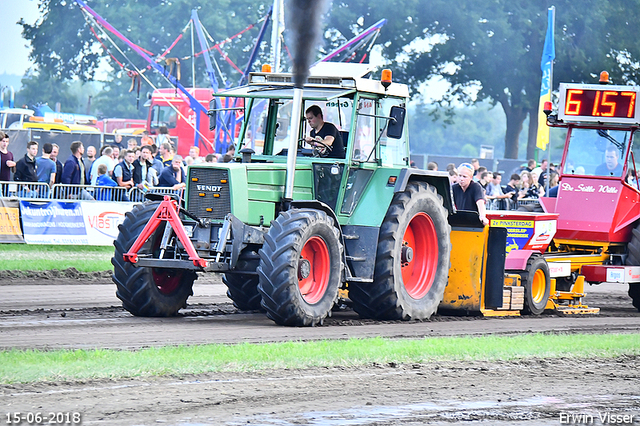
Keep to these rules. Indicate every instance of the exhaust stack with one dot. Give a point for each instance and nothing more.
(303, 19)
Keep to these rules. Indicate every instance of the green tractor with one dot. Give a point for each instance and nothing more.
(293, 231)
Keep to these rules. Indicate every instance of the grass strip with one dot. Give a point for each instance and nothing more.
(32, 257)
(25, 366)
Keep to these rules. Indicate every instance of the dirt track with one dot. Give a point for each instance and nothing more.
(48, 312)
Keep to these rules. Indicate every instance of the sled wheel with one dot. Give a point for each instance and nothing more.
(537, 285)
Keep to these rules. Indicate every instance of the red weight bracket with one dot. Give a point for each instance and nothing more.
(167, 211)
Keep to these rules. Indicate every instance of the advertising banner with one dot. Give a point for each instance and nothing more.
(10, 231)
(78, 223)
(54, 222)
(102, 220)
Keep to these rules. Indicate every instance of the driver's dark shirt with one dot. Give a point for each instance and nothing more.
(603, 170)
(329, 129)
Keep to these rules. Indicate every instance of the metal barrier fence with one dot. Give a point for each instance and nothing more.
(39, 191)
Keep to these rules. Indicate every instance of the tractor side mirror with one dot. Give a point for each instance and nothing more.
(213, 114)
(396, 122)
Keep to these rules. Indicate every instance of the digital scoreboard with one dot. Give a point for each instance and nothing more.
(598, 103)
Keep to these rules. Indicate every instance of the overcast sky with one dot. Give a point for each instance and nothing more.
(13, 51)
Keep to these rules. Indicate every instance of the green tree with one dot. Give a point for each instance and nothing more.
(64, 47)
(496, 47)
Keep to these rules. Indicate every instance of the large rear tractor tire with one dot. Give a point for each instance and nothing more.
(412, 260)
(243, 288)
(536, 281)
(633, 259)
(300, 268)
(148, 292)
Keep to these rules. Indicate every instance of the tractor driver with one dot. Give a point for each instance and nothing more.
(468, 194)
(324, 132)
(610, 167)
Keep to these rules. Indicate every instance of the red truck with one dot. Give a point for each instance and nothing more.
(186, 125)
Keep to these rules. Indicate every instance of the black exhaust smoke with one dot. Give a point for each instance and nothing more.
(304, 23)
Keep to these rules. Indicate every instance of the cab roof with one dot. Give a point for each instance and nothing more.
(326, 81)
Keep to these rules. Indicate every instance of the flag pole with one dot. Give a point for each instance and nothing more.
(552, 11)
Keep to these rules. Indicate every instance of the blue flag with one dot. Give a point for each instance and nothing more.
(546, 65)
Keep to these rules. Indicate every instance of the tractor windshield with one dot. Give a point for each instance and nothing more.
(262, 130)
(597, 152)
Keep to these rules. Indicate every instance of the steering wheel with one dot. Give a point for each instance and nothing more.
(321, 149)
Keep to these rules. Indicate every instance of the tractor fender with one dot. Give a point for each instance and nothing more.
(439, 180)
(318, 205)
(517, 259)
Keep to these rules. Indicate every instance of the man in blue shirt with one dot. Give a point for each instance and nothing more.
(610, 167)
(173, 176)
(45, 166)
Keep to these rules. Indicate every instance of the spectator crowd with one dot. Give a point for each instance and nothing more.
(116, 165)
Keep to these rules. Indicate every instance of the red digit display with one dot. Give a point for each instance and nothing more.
(600, 103)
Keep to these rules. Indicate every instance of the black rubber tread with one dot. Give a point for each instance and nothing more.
(633, 248)
(534, 263)
(243, 288)
(387, 298)
(278, 269)
(136, 287)
(633, 259)
(634, 294)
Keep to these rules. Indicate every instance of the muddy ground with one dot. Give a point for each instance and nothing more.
(73, 310)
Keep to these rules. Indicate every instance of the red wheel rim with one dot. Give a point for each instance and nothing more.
(314, 282)
(421, 240)
(166, 283)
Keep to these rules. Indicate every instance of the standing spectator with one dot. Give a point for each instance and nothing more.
(73, 172)
(26, 170)
(173, 176)
(157, 163)
(210, 158)
(146, 139)
(103, 179)
(118, 141)
(45, 166)
(123, 173)
(531, 164)
(105, 158)
(88, 162)
(115, 154)
(484, 179)
(231, 150)
(163, 136)
(7, 165)
(54, 156)
(432, 165)
(553, 183)
(164, 154)
(498, 199)
(143, 171)
(194, 152)
(512, 188)
(543, 173)
(132, 144)
(453, 176)
(476, 167)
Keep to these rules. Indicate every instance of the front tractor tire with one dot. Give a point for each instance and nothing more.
(147, 292)
(412, 259)
(300, 268)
